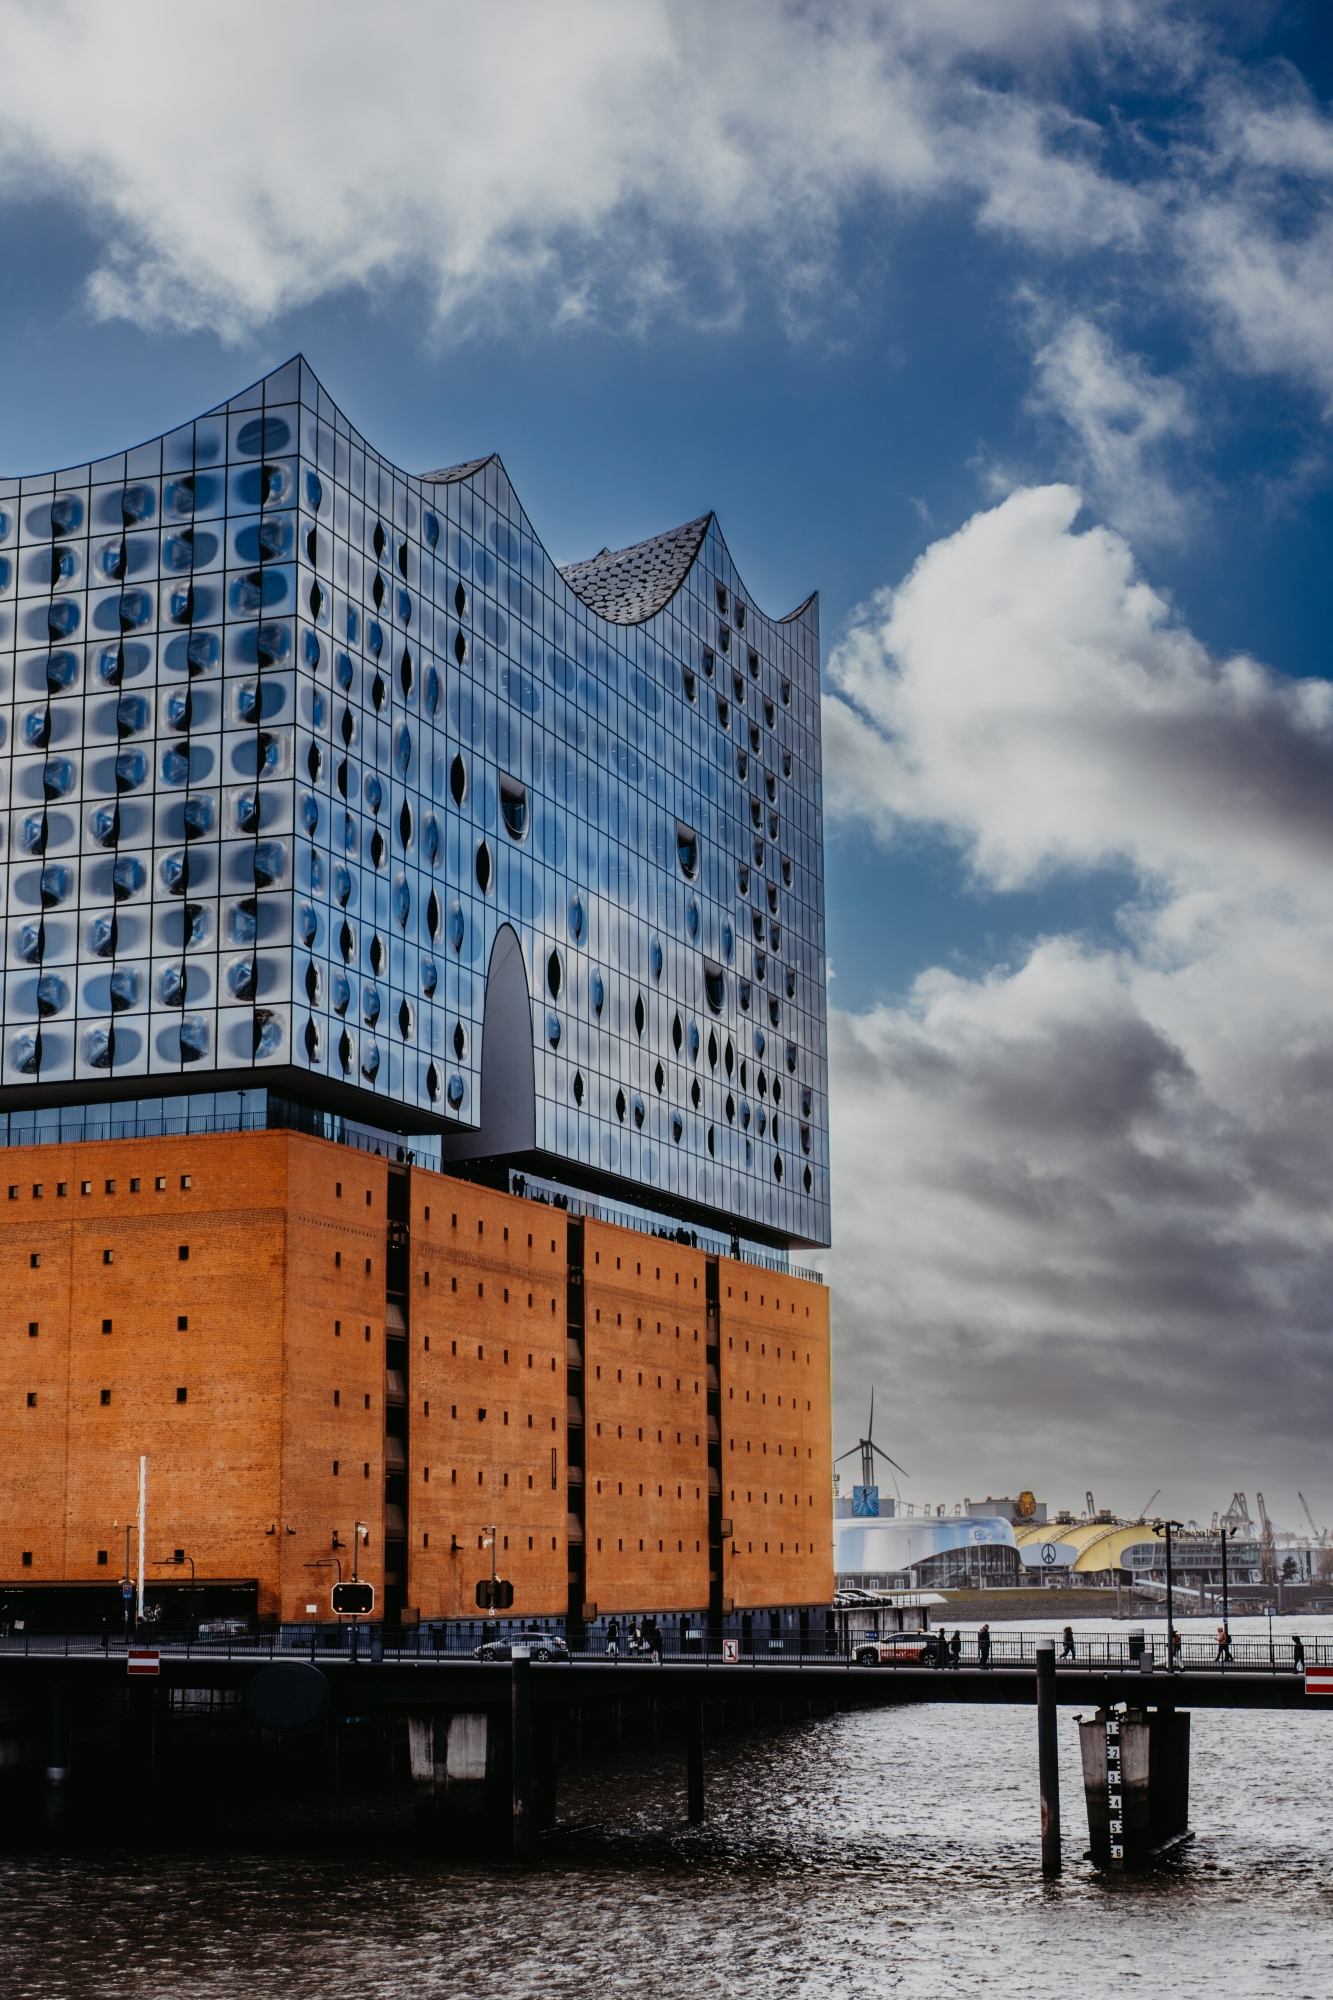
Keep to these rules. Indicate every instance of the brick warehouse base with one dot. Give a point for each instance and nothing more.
(301, 1337)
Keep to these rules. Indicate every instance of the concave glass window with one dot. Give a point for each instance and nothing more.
(52, 994)
(687, 849)
(514, 806)
(483, 867)
(715, 985)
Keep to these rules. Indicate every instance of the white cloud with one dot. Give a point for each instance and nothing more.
(1029, 696)
(593, 161)
(1122, 419)
(1255, 231)
(1085, 1201)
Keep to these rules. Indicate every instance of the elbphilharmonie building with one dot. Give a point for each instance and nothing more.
(333, 802)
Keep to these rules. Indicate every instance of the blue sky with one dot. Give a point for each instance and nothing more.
(869, 283)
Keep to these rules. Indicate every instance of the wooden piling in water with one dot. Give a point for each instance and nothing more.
(1048, 1758)
(521, 1726)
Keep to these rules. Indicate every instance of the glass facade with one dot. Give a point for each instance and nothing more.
(291, 738)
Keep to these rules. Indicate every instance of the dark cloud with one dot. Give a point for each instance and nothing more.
(1084, 1203)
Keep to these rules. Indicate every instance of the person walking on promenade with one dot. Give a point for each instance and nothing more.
(1223, 1644)
(1297, 1654)
(613, 1639)
(955, 1648)
(1067, 1648)
(983, 1646)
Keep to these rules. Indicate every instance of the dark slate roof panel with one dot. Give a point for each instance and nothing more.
(628, 585)
(448, 473)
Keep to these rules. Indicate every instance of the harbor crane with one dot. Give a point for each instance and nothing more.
(1320, 1534)
(1267, 1545)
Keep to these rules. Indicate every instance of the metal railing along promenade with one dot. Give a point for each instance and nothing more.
(1095, 1654)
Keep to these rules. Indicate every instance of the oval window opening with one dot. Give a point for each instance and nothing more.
(514, 807)
(687, 849)
(715, 986)
(458, 781)
(483, 868)
(553, 974)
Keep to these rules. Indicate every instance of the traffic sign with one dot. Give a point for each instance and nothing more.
(731, 1652)
(354, 1600)
(1319, 1680)
(143, 1660)
(494, 1594)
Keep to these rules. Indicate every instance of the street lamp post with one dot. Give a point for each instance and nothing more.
(127, 1587)
(1164, 1528)
(1225, 1537)
(489, 1537)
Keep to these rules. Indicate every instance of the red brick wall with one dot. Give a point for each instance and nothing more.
(286, 1271)
(777, 1473)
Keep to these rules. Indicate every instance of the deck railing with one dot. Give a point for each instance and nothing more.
(1098, 1653)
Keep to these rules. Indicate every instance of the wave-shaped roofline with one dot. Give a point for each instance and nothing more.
(634, 577)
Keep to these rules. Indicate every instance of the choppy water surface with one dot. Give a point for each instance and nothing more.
(888, 1853)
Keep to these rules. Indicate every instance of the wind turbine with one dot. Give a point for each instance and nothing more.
(867, 1447)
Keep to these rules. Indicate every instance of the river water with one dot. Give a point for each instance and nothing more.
(885, 1853)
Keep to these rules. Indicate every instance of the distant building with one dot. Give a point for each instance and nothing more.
(904, 1552)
